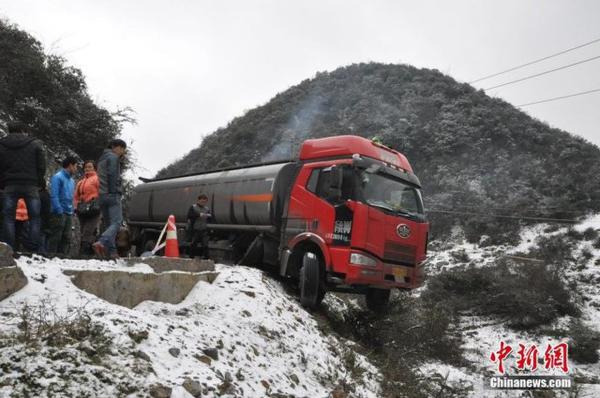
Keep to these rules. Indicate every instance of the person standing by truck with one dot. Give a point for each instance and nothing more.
(62, 187)
(87, 206)
(111, 192)
(198, 215)
(22, 172)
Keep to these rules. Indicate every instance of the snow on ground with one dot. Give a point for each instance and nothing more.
(240, 336)
(482, 336)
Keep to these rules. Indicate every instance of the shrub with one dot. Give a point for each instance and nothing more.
(460, 256)
(526, 295)
(590, 234)
(551, 228)
(412, 332)
(41, 323)
(586, 255)
(553, 249)
(584, 344)
(574, 234)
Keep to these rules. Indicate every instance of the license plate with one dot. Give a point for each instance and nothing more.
(399, 272)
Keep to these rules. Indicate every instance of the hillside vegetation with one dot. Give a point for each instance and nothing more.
(52, 98)
(473, 153)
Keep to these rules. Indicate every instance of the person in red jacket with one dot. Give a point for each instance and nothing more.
(87, 207)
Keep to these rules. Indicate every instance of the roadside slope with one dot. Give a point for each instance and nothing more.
(240, 336)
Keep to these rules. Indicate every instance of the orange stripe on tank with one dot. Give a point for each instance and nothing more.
(260, 197)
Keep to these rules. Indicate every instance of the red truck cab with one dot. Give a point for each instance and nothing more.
(355, 221)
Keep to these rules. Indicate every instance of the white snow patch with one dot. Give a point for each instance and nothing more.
(266, 342)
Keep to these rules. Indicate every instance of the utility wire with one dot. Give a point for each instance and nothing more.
(543, 219)
(535, 62)
(562, 97)
(543, 73)
(539, 209)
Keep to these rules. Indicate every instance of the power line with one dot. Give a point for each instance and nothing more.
(478, 205)
(562, 97)
(535, 62)
(543, 73)
(539, 210)
(542, 219)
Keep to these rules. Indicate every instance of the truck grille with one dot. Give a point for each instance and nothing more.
(396, 253)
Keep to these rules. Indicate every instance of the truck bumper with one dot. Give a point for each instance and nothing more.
(380, 275)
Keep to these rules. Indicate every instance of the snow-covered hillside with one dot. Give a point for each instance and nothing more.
(240, 336)
(482, 335)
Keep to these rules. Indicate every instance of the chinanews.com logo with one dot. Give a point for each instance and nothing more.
(552, 359)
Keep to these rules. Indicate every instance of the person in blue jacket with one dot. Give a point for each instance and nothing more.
(62, 188)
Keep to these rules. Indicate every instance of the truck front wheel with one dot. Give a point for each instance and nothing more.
(311, 281)
(378, 299)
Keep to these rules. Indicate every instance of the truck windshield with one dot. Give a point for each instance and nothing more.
(390, 194)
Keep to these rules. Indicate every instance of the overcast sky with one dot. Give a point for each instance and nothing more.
(189, 67)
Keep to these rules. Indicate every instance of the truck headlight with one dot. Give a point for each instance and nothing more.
(361, 259)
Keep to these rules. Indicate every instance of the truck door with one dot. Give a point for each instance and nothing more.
(333, 187)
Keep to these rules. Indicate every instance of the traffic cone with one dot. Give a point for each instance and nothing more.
(171, 244)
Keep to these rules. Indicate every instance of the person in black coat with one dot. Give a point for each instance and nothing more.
(22, 170)
(198, 216)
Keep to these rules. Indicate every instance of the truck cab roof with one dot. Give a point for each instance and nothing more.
(348, 145)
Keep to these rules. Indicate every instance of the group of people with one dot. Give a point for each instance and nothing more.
(41, 220)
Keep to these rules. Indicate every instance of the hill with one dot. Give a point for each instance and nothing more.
(473, 153)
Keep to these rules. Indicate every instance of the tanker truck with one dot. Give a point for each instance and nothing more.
(346, 215)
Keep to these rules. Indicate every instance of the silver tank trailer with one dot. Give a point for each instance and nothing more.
(244, 196)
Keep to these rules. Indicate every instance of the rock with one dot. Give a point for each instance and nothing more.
(6, 256)
(211, 352)
(160, 391)
(131, 288)
(12, 279)
(40, 278)
(239, 375)
(204, 359)
(138, 335)
(142, 355)
(86, 346)
(174, 352)
(182, 312)
(193, 387)
(294, 378)
(165, 264)
(249, 293)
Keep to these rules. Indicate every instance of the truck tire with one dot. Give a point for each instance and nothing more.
(149, 246)
(311, 284)
(378, 300)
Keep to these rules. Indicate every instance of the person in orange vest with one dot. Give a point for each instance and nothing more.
(21, 226)
(87, 206)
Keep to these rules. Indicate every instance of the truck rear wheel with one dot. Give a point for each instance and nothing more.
(148, 246)
(311, 283)
(378, 300)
